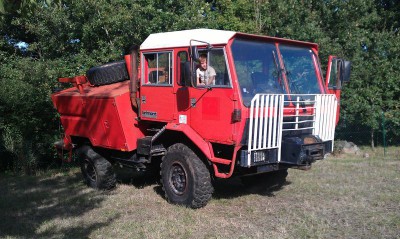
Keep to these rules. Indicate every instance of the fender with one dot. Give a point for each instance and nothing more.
(206, 148)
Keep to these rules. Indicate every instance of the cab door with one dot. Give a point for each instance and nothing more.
(157, 94)
(212, 105)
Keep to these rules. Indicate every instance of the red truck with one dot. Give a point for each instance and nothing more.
(267, 109)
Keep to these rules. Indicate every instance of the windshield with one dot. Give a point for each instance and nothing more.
(258, 69)
(300, 70)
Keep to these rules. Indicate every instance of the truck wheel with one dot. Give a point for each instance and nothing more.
(185, 178)
(108, 73)
(271, 179)
(97, 171)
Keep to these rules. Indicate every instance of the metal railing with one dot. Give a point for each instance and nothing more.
(273, 114)
(325, 117)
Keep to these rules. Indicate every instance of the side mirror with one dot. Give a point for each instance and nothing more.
(194, 53)
(346, 71)
(338, 73)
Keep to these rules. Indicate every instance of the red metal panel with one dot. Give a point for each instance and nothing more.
(102, 122)
(238, 127)
(129, 124)
(74, 125)
(102, 114)
(69, 102)
(211, 117)
(158, 103)
(211, 109)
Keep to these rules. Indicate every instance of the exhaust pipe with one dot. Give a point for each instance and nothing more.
(131, 63)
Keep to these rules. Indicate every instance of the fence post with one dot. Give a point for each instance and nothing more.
(384, 134)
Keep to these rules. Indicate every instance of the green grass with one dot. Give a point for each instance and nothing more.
(342, 197)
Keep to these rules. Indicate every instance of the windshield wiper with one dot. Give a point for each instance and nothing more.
(293, 87)
(292, 84)
(280, 70)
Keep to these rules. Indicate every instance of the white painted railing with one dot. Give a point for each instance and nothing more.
(272, 114)
(325, 118)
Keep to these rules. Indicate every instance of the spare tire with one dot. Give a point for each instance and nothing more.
(108, 73)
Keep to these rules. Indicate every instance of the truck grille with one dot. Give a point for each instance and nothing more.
(273, 116)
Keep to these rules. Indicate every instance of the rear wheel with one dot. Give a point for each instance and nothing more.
(185, 178)
(97, 171)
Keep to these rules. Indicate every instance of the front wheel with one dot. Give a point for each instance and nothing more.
(97, 171)
(185, 178)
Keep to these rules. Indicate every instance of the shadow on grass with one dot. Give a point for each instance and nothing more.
(45, 206)
(130, 176)
(223, 188)
(233, 187)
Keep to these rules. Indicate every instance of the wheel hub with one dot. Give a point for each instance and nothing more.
(178, 179)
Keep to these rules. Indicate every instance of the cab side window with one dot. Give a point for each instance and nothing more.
(182, 59)
(216, 63)
(157, 68)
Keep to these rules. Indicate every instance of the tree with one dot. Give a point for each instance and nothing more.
(46, 39)
(373, 46)
(63, 39)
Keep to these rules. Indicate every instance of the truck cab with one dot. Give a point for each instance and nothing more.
(268, 94)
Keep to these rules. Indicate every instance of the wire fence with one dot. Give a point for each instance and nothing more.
(365, 138)
(388, 135)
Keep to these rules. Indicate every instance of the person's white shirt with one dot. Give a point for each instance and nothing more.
(205, 75)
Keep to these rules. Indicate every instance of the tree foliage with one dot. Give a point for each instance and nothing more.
(42, 40)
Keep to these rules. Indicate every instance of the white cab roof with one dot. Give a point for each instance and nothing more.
(182, 38)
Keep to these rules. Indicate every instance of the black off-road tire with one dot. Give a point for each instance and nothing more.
(185, 179)
(97, 171)
(271, 180)
(108, 73)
